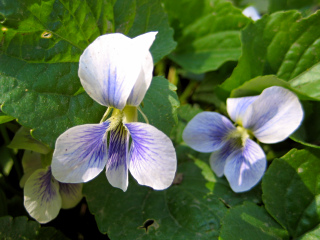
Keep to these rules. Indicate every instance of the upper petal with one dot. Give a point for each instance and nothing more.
(117, 166)
(41, 196)
(252, 13)
(274, 115)
(152, 160)
(237, 107)
(245, 167)
(109, 68)
(142, 84)
(206, 131)
(80, 153)
(71, 194)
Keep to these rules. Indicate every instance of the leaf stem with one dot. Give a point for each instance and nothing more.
(12, 155)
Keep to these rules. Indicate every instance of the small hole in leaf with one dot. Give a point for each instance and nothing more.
(46, 34)
(2, 18)
(4, 29)
(149, 223)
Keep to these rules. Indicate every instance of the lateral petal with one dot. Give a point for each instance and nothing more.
(245, 167)
(117, 166)
(274, 115)
(206, 131)
(71, 194)
(152, 158)
(142, 84)
(80, 153)
(41, 196)
(109, 68)
(237, 107)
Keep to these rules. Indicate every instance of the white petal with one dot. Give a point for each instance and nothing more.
(153, 160)
(274, 115)
(80, 153)
(237, 107)
(71, 194)
(109, 68)
(245, 167)
(41, 196)
(142, 84)
(252, 13)
(206, 131)
(31, 161)
(117, 166)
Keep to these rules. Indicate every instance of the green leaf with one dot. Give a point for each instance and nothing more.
(309, 132)
(312, 235)
(283, 44)
(23, 140)
(250, 221)
(308, 82)
(190, 209)
(41, 42)
(185, 114)
(210, 40)
(21, 228)
(187, 210)
(160, 105)
(257, 85)
(291, 191)
(280, 5)
(5, 118)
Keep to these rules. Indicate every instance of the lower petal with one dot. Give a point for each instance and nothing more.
(71, 194)
(218, 159)
(80, 153)
(245, 167)
(153, 160)
(41, 196)
(117, 167)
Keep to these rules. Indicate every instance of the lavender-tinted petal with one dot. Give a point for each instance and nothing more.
(142, 84)
(153, 160)
(80, 153)
(218, 158)
(245, 167)
(71, 194)
(206, 131)
(41, 196)
(117, 167)
(31, 161)
(274, 115)
(237, 107)
(109, 68)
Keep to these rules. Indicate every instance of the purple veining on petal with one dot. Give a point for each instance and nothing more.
(139, 146)
(206, 132)
(245, 167)
(118, 147)
(93, 144)
(44, 189)
(69, 189)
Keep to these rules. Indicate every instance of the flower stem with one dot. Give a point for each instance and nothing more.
(143, 115)
(12, 155)
(106, 114)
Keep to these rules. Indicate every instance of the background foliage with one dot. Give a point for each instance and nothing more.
(205, 52)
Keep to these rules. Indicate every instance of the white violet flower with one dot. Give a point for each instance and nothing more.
(116, 71)
(270, 117)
